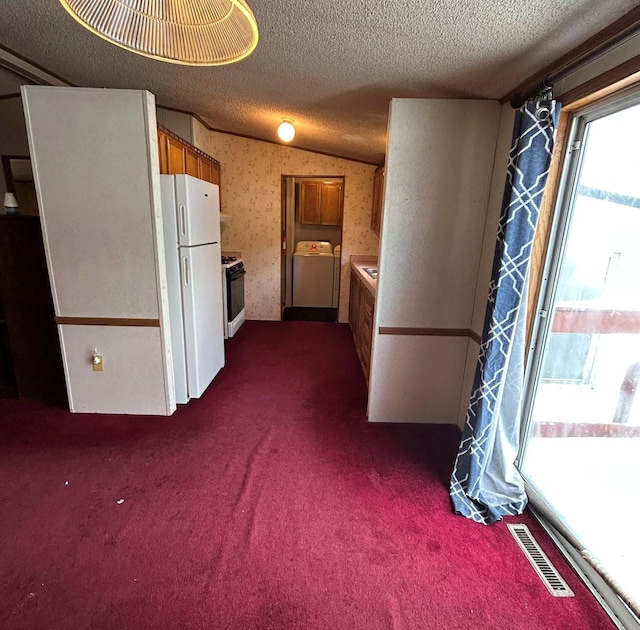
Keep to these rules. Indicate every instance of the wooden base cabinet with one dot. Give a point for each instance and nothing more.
(361, 307)
(436, 249)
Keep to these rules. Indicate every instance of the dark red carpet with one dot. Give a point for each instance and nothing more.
(268, 503)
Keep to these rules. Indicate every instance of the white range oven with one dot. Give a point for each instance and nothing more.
(233, 273)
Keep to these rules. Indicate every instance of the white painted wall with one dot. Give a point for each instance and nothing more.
(180, 123)
(503, 145)
(439, 164)
(97, 178)
(490, 231)
(416, 379)
(440, 157)
(133, 376)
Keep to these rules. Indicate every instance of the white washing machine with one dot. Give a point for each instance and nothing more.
(313, 271)
(336, 276)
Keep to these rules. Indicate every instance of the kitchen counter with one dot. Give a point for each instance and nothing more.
(358, 263)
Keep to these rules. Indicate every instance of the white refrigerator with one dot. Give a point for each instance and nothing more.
(191, 225)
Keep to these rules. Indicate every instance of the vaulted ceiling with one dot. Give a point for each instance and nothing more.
(331, 66)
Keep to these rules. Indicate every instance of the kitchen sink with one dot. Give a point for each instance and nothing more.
(372, 271)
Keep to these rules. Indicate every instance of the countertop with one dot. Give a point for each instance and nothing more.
(358, 263)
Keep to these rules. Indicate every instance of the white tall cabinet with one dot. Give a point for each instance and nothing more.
(439, 168)
(95, 162)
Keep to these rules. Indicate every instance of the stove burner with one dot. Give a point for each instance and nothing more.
(227, 259)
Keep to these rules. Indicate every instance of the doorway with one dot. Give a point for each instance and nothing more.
(312, 209)
(582, 447)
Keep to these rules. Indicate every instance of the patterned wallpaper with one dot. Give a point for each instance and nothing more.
(250, 193)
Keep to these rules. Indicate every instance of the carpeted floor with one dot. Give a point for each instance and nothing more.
(268, 503)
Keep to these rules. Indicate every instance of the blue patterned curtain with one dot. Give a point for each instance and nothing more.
(485, 484)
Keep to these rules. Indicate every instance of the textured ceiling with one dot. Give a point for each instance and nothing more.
(331, 66)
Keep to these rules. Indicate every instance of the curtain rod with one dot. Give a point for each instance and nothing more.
(546, 83)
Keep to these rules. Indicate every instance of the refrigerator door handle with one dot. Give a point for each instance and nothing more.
(183, 220)
(185, 271)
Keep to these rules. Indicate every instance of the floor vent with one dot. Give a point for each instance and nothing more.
(547, 572)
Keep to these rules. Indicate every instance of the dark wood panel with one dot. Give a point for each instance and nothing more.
(28, 307)
(107, 321)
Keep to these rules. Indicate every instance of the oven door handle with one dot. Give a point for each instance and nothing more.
(234, 275)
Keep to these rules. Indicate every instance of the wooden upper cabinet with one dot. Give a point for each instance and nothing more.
(204, 168)
(179, 157)
(191, 162)
(320, 203)
(209, 170)
(331, 204)
(162, 152)
(310, 200)
(215, 173)
(175, 156)
(378, 198)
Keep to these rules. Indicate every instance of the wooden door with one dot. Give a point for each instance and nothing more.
(310, 203)
(331, 204)
(175, 156)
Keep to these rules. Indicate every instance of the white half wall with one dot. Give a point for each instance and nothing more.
(417, 379)
(133, 378)
(440, 163)
(96, 168)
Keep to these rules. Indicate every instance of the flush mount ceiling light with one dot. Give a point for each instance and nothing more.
(286, 130)
(189, 32)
